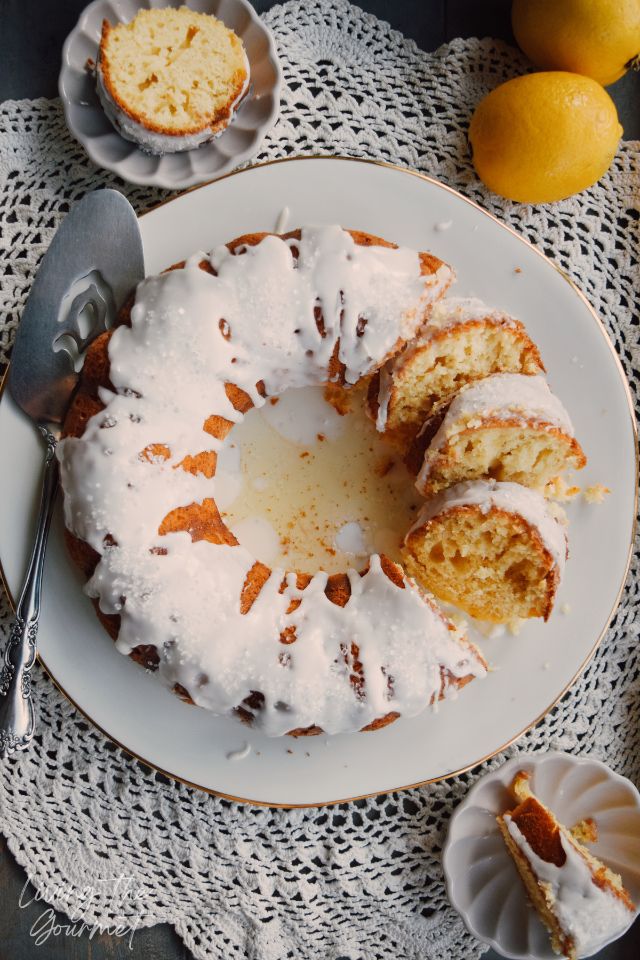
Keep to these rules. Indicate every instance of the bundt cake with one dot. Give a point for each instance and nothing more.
(493, 549)
(202, 344)
(579, 899)
(505, 427)
(170, 79)
(463, 340)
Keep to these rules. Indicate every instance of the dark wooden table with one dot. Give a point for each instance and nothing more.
(31, 36)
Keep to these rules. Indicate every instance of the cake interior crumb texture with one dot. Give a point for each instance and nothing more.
(493, 565)
(437, 369)
(174, 70)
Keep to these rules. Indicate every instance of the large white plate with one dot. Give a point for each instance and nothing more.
(534, 668)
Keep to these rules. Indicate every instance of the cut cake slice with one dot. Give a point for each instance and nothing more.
(578, 898)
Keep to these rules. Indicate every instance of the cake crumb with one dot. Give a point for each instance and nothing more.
(565, 608)
(241, 754)
(514, 626)
(558, 513)
(274, 400)
(559, 489)
(459, 621)
(289, 750)
(518, 270)
(337, 396)
(596, 493)
(321, 437)
(585, 831)
(90, 64)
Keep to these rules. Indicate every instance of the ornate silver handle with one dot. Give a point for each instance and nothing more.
(17, 720)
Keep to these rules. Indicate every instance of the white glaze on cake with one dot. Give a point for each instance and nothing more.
(350, 538)
(454, 310)
(509, 395)
(150, 141)
(510, 497)
(587, 913)
(259, 537)
(190, 333)
(446, 313)
(503, 396)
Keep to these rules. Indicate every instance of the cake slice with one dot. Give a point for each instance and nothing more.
(578, 898)
(170, 79)
(463, 340)
(505, 427)
(492, 549)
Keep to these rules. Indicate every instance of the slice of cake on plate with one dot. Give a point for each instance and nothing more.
(463, 340)
(578, 898)
(493, 549)
(170, 79)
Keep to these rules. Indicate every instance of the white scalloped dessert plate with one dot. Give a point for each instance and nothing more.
(482, 881)
(532, 669)
(239, 142)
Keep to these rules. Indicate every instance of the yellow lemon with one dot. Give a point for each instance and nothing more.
(598, 38)
(544, 136)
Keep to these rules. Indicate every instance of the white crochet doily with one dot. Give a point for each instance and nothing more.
(362, 879)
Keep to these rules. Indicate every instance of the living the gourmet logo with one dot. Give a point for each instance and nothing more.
(111, 897)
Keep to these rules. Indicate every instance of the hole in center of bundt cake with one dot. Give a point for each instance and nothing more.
(304, 487)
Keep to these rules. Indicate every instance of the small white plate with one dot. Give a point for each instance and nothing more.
(239, 142)
(482, 881)
(533, 669)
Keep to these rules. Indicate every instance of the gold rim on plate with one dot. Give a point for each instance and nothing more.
(598, 641)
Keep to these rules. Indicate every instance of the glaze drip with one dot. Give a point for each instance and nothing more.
(447, 313)
(509, 395)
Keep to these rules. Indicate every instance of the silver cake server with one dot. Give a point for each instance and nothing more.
(94, 262)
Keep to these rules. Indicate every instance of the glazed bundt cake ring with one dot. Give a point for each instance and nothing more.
(453, 659)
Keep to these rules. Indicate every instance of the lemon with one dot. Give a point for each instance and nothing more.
(544, 136)
(598, 38)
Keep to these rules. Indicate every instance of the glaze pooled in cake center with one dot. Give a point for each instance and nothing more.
(346, 496)
(269, 317)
